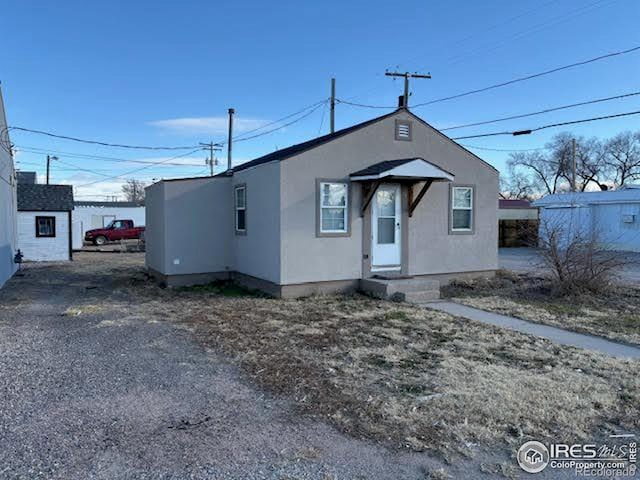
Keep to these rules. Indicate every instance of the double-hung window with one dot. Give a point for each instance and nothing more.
(45, 226)
(240, 194)
(334, 208)
(461, 209)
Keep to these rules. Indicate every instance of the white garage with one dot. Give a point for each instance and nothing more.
(90, 215)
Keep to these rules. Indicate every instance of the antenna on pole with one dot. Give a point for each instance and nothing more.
(404, 100)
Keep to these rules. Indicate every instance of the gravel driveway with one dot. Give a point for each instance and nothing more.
(89, 395)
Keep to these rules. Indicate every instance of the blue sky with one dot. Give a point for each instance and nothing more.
(165, 73)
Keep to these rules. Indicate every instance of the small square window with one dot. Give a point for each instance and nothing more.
(45, 227)
(403, 130)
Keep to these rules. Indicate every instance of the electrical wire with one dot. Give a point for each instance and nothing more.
(142, 168)
(540, 112)
(508, 82)
(552, 125)
(97, 157)
(96, 142)
(503, 149)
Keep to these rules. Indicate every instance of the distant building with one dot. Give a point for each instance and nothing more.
(509, 209)
(44, 221)
(90, 215)
(8, 202)
(612, 216)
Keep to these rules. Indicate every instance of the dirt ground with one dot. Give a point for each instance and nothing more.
(108, 375)
(613, 314)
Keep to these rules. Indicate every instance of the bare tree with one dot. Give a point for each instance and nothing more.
(622, 157)
(551, 171)
(134, 190)
(517, 186)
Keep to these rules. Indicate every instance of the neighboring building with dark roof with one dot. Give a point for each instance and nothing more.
(88, 215)
(516, 209)
(389, 197)
(26, 177)
(44, 221)
(8, 202)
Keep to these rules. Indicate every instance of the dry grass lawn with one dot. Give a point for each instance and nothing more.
(614, 314)
(403, 375)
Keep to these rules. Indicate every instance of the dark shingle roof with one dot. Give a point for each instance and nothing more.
(308, 145)
(38, 197)
(108, 204)
(382, 167)
(514, 203)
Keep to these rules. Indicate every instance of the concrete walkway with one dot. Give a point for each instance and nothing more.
(557, 335)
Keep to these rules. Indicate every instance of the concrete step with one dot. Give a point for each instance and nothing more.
(423, 296)
(386, 288)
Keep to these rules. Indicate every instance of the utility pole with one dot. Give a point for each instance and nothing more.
(49, 158)
(407, 76)
(333, 106)
(230, 139)
(573, 165)
(211, 161)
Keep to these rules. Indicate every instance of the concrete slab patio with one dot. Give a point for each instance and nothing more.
(554, 334)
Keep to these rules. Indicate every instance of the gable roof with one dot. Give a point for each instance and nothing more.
(36, 197)
(308, 145)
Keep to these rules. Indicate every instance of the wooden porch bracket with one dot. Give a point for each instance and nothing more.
(414, 203)
(370, 194)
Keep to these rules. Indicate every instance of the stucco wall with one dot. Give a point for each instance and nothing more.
(82, 219)
(257, 252)
(155, 256)
(431, 249)
(43, 248)
(198, 226)
(8, 202)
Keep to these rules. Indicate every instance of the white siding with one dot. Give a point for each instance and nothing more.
(43, 248)
(87, 218)
(8, 204)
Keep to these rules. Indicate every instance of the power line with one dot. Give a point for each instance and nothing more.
(96, 142)
(503, 149)
(560, 124)
(281, 126)
(98, 157)
(540, 112)
(509, 82)
(140, 169)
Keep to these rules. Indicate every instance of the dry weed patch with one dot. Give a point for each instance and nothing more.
(614, 313)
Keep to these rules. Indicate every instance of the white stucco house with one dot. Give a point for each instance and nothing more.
(44, 221)
(387, 203)
(90, 215)
(8, 202)
(613, 217)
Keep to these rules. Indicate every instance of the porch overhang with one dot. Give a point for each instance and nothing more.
(406, 170)
(412, 169)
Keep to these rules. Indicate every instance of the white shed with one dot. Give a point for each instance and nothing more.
(90, 215)
(613, 216)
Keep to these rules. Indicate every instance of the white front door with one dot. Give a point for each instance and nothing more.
(386, 228)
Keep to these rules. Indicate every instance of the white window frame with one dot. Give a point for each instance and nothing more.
(236, 208)
(344, 207)
(469, 208)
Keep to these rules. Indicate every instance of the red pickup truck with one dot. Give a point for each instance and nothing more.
(116, 230)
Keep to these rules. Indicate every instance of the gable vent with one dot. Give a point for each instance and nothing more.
(403, 130)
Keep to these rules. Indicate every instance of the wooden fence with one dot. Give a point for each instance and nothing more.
(517, 233)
